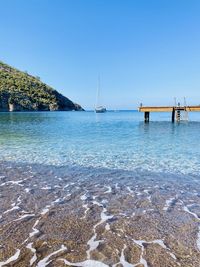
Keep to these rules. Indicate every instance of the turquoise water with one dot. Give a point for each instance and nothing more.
(114, 140)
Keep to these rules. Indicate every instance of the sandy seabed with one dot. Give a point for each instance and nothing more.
(75, 216)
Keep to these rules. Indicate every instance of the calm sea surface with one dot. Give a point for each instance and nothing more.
(114, 140)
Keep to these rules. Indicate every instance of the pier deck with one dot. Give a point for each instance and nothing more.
(175, 110)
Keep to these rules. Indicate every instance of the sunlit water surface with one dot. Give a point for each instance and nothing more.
(114, 140)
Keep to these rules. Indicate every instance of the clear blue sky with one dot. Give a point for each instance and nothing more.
(144, 50)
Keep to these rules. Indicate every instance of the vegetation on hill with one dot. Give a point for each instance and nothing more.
(20, 91)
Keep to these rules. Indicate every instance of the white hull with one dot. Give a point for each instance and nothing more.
(100, 109)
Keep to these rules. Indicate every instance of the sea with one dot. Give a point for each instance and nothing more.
(99, 190)
(114, 140)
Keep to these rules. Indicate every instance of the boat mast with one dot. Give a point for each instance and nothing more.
(98, 89)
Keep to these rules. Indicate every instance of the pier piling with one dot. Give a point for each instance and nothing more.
(146, 116)
(173, 114)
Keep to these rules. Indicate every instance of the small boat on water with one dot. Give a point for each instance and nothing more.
(99, 108)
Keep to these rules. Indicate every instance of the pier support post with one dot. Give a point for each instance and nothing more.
(146, 116)
(173, 114)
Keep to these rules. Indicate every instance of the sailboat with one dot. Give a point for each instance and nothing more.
(99, 108)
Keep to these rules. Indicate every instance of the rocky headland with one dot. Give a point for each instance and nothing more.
(20, 91)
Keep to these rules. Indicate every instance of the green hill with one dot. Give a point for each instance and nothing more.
(19, 91)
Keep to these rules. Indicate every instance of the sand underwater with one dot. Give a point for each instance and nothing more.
(75, 216)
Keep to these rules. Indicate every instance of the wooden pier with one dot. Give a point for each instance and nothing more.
(175, 111)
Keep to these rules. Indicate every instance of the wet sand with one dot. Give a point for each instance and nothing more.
(70, 216)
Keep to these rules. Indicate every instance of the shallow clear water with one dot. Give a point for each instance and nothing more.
(100, 186)
(116, 140)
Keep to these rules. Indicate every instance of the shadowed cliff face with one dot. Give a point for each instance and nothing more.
(20, 91)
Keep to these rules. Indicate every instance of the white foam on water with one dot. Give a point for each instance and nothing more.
(117, 186)
(133, 214)
(24, 216)
(35, 230)
(198, 239)
(123, 261)
(130, 190)
(11, 259)
(168, 203)
(149, 196)
(68, 195)
(172, 255)
(161, 243)
(45, 187)
(185, 208)
(45, 210)
(13, 208)
(85, 206)
(142, 260)
(33, 250)
(104, 217)
(27, 190)
(109, 190)
(96, 203)
(92, 243)
(87, 263)
(156, 241)
(57, 200)
(107, 227)
(44, 262)
(13, 183)
(19, 200)
(83, 197)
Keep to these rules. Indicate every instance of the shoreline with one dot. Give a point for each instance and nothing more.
(84, 216)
